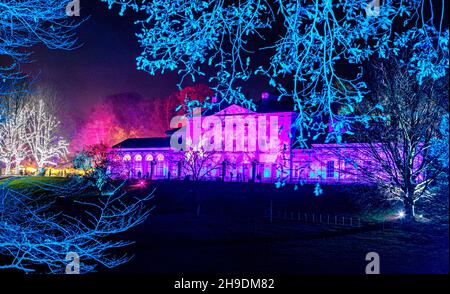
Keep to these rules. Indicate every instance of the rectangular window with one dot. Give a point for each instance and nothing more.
(161, 169)
(267, 171)
(245, 171)
(296, 171)
(330, 169)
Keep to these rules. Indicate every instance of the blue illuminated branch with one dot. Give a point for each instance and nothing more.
(34, 235)
(429, 52)
(188, 36)
(440, 145)
(317, 60)
(323, 36)
(24, 23)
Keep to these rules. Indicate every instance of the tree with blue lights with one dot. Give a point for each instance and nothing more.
(25, 23)
(100, 166)
(36, 234)
(316, 61)
(404, 133)
(439, 144)
(439, 151)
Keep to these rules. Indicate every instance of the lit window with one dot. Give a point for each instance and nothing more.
(161, 169)
(267, 171)
(160, 157)
(127, 157)
(149, 157)
(138, 157)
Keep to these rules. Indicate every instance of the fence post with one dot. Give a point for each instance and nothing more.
(351, 222)
(313, 218)
(359, 222)
(328, 218)
(343, 220)
(320, 218)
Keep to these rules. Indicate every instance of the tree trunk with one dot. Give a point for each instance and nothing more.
(17, 168)
(8, 169)
(408, 203)
(409, 210)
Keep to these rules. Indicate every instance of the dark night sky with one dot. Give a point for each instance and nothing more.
(105, 64)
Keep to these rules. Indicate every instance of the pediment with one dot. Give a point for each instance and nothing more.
(234, 109)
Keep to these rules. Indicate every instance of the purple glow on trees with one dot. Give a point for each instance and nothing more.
(118, 117)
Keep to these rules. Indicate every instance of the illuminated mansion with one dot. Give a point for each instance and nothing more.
(242, 146)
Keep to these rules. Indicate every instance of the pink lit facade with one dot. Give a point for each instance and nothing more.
(248, 150)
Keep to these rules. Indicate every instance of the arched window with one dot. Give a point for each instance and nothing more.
(160, 157)
(127, 157)
(138, 157)
(149, 157)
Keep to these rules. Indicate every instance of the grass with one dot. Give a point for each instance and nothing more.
(33, 181)
(180, 242)
(231, 235)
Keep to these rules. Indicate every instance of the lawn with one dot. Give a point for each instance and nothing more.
(231, 235)
(30, 182)
(184, 243)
